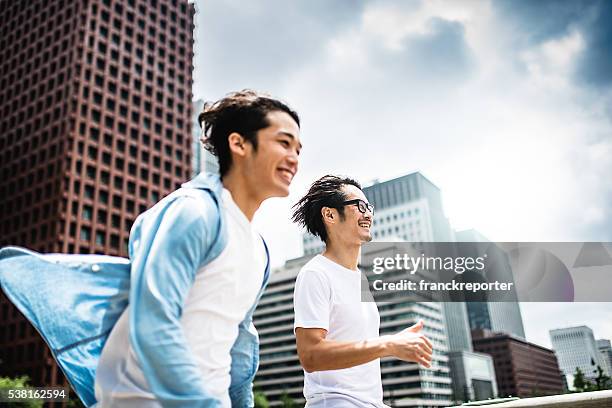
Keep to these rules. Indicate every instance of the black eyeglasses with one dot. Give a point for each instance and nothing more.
(362, 205)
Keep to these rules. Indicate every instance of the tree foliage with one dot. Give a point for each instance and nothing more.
(580, 383)
(260, 400)
(287, 401)
(601, 381)
(7, 383)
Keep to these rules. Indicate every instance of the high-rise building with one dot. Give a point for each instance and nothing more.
(404, 384)
(202, 159)
(473, 376)
(457, 326)
(197, 159)
(522, 369)
(603, 345)
(94, 128)
(494, 316)
(576, 348)
(407, 208)
(472, 373)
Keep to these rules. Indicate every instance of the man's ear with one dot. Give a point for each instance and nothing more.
(329, 215)
(237, 144)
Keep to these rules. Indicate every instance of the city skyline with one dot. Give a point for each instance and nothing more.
(510, 128)
(506, 115)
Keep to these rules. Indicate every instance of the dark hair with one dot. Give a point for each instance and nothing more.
(243, 112)
(325, 192)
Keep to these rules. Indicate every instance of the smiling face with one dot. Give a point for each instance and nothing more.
(354, 228)
(270, 168)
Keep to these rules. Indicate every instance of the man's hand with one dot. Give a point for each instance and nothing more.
(411, 345)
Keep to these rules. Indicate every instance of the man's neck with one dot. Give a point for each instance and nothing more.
(346, 256)
(246, 200)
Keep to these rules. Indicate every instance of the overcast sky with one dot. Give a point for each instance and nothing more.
(504, 105)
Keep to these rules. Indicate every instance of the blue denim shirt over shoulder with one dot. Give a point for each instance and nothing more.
(75, 300)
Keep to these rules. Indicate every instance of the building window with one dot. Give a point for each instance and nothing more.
(87, 211)
(100, 238)
(102, 215)
(117, 202)
(85, 233)
(99, 81)
(105, 177)
(106, 158)
(95, 116)
(91, 172)
(103, 197)
(89, 192)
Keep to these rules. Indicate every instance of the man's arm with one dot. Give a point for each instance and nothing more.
(166, 250)
(316, 353)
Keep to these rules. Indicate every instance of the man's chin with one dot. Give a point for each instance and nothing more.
(280, 190)
(283, 190)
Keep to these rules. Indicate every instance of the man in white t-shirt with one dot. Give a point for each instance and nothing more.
(336, 333)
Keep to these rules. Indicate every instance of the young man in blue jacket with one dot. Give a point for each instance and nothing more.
(173, 326)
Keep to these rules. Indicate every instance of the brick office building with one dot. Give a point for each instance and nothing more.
(522, 369)
(95, 125)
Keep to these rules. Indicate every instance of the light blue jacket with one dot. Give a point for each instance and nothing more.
(75, 300)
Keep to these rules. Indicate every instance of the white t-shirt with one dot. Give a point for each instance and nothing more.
(328, 296)
(222, 293)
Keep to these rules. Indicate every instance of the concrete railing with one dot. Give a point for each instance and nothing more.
(595, 399)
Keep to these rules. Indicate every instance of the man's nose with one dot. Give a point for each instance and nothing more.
(293, 160)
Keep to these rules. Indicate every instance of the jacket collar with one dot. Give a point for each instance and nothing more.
(206, 181)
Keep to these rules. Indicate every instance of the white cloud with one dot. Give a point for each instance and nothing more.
(551, 63)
